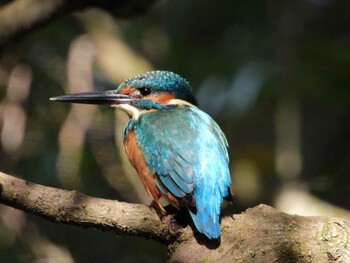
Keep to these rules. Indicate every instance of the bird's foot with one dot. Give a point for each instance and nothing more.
(157, 207)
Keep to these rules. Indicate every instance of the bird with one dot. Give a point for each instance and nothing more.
(178, 150)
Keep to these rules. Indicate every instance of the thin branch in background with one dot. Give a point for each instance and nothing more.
(20, 16)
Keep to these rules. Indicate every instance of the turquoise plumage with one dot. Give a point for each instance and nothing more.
(178, 150)
(188, 159)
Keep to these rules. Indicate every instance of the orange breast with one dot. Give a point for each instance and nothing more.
(137, 159)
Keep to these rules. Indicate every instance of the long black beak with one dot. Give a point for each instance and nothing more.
(107, 97)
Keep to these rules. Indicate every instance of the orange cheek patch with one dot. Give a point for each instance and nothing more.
(126, 90)
(162, 98)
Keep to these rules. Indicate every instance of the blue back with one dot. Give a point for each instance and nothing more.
(187, 150)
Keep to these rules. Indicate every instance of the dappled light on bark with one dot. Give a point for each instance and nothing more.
(260, 233)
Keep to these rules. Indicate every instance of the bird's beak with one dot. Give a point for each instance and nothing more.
(107, 97)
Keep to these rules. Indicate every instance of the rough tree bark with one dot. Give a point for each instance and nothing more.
(260, 234)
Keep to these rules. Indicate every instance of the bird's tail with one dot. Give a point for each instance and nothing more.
(206, 223)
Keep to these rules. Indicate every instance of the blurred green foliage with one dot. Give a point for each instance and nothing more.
(244, 59)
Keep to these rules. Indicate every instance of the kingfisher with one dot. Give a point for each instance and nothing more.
(178, 151)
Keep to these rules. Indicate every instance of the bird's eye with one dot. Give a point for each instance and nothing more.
(144, 91)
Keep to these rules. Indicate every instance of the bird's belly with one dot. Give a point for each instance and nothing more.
(137, 159)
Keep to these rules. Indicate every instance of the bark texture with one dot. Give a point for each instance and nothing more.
(264, 234)
(260, 234)
(74, 208)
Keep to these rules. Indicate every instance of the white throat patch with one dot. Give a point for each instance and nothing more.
(132, 111)
(135, 113)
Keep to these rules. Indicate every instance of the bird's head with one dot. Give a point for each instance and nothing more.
(153, 90)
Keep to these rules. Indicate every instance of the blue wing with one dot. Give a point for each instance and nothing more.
(187, 151)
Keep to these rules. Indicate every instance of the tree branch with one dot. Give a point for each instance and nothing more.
(20, 16)
(261, 234)
(264, 234)
(74, 208)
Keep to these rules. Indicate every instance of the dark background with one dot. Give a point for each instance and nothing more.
(275, 75)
